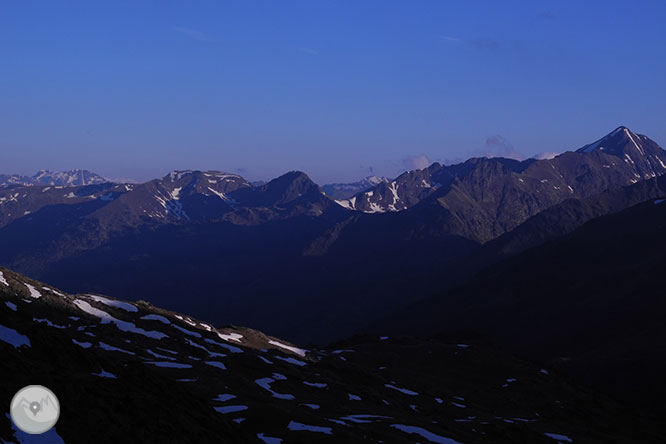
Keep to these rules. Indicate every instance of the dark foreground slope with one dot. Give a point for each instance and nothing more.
(590, 303)
(130, 372)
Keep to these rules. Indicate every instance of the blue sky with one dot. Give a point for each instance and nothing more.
(338, 89)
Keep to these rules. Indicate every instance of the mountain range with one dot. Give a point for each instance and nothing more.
(234, 246)
(347, 190)
(555, 261)
(59, 178)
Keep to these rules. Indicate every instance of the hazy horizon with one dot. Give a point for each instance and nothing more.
(494, 147)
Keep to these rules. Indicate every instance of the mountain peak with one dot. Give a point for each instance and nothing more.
(642, 154)
(75, 177)
(347, 190)
(291, 179)
(614, 142)
(176, 175)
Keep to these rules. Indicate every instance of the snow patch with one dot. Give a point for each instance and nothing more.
(265, 383)
(158, 356)
(230, 337)
(269, 439)
(12, 337)
(362, 419)
(104, 374)
(560, 438)
(224, 397)
(401, 390)
(349, 204)
(186, 331)
(230, 408)
(113, 303)
(33, 291)
(312, 406)
(216, 364)
(292, 361)
(154, 317)
(267, 361)
(169, 364)
(298, 427)
(49, 323)
(299, 351)
(121, 325)
(53, 291)
(424, 434)
(231, 348)
(108, 347)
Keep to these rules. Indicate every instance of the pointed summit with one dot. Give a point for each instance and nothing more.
(646, 157)
(615, 142)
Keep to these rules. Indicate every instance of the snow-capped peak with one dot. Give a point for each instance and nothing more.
(76, 177)
(612, 141)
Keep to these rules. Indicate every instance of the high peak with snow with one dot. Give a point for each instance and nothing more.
(55, 178)
(644, 155)
(347, 190)
(633, 157)
(617, 138)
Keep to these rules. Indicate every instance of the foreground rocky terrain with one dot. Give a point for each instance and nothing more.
(131, 372)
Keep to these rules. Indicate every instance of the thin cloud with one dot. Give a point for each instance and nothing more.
(191, 33)
(498, 146)
(545, 155)
(452, 160)
(416, 162)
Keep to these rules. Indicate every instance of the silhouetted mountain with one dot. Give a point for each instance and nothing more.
(292, 194)
(160, 376)
(589, 303)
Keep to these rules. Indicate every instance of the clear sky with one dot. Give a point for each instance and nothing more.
(338, 89)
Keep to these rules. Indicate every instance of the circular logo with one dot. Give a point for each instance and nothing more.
(34, 409)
